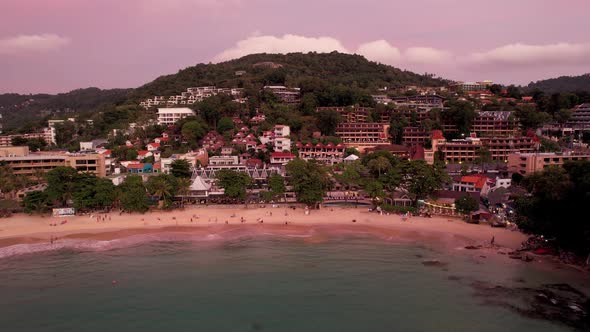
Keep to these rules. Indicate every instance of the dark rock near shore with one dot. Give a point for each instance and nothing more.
(435, 263)
(554, 302)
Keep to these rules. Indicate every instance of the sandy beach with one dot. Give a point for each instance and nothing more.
(24, 228)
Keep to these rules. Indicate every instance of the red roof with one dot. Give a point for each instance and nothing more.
(142, 152)
(163, 139)
(319, 146)
(106, 152)
(299, 145)
(437, 134)
(478, 180)
(156, 145)
(135, 166)
(157, 166)
(282, 155)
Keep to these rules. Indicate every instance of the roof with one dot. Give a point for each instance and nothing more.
(477, 179)
(352, 157)
(142, 152)
(156, 145)
(282, 155)
(170, 110)
(437, 134)
(136, 166)
(199, 184)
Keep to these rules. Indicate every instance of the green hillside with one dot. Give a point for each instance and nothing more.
(563, 84)
(293, 69)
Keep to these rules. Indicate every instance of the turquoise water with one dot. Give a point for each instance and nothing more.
(262, 284)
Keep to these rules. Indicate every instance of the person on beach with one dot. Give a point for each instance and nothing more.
(493, 240)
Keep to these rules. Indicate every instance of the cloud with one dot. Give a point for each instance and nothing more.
(284, 44)
(380, 51)
(32, 44)
(427, 55)
(531, 55)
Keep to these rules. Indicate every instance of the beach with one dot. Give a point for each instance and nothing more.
(23, 228)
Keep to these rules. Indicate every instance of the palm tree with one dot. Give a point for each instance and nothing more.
(379, 165)
(184, 185)
(160, 188)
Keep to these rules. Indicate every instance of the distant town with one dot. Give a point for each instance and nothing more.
(460, 149)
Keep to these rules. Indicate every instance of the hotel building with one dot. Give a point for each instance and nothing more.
(527, 163)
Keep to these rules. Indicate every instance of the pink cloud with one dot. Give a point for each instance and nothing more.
(531, 55)
(32, 43)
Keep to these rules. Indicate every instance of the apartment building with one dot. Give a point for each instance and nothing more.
(580, 116)
(495, 123)
(6, 140)
(470, 86)
(467, 150)
(363, 134)
(281, 140)
(527, 163)
(285, 95)
(412, 136)
(29, 164)
(168, 116)
(328, 154)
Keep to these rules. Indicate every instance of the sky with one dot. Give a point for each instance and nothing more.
(55, 46)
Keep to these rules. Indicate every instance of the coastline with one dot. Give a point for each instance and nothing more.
(30, 229)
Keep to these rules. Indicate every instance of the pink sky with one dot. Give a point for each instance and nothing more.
(59, 45)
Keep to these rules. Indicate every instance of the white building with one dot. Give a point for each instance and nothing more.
(167, 116)
(282, 142)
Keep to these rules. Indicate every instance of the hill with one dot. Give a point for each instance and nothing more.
(563, 84)
(346, 74)
(18, 110)
(291, 69)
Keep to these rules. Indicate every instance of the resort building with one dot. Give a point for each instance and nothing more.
(169, 116)
(495, 123)
(473, 183)
(361, 135)
(580, 116)
(285, 95)
(414, 136)
(281, 158)
(34, 164)
(281, 140)
(527, 163)
(470, 86)
(466, 150)
(328, 154)
(6, 140)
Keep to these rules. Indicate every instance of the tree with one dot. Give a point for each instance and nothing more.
(133, 194)
(375, 190)
(225, 124)
(353, 174)
(552, 208)
(418, 179)
(92, 192)
(131, 154)
(309, 181)
(184, 185)
(563, 115)
(466, 204)
(276, 183)
(495, 89)
(193, 131)
(8, 182)
(327, 122)
(61, 184)
(181, 168)
(35, 201)
(163, 187)
(483, 156)
(379, 165)
(460, 113)
(234, 183)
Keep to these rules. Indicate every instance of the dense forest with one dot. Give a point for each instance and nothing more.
(21, 110)
(562, 84)
(293, 69)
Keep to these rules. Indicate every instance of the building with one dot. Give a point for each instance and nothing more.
(470, 86)
(467, 150)
(281, 141)
(528, 163)
(92, 145)
(400, 151)
(414, 136)
(139, 168)
(192, 95)
(285, 95)
(580, 116)
(169, 116)
(281, 158)
(361, 135)
(29, 164)
(6, 140)
(328, 154)
(495, 123)
(354, 113)
(473, 183)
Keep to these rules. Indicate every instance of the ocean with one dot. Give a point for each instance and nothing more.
(271, 284)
